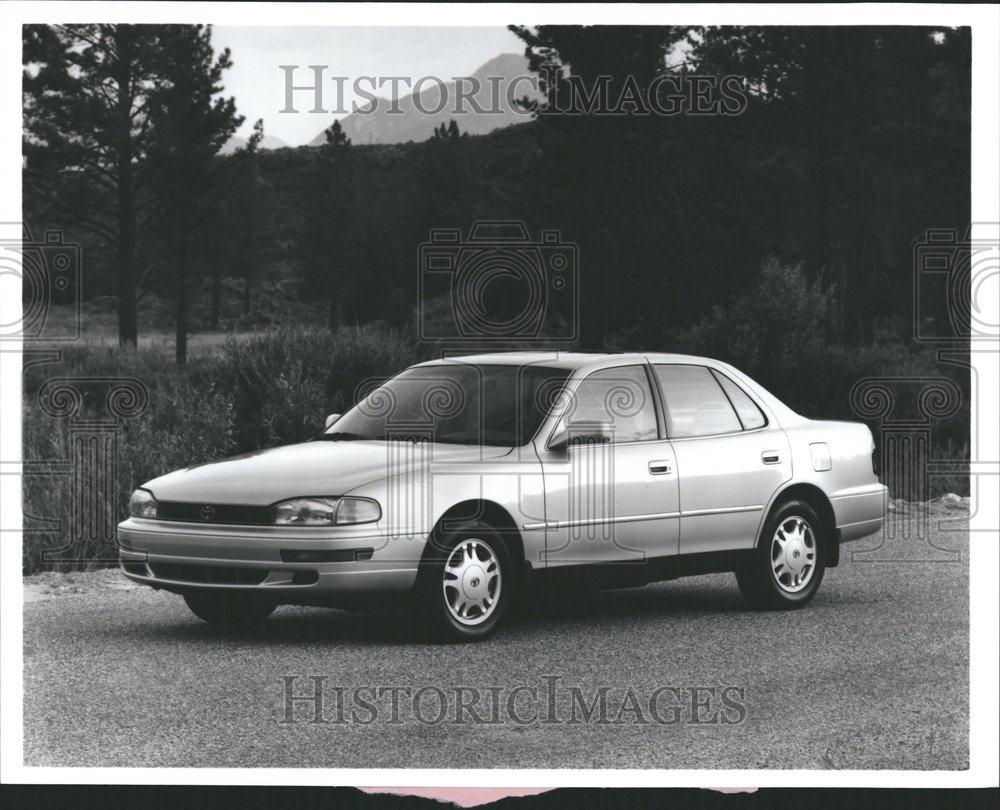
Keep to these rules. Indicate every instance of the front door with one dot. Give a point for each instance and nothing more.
(615, 501)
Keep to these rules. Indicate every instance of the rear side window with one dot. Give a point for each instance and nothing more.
(695, 402)
(746, 409)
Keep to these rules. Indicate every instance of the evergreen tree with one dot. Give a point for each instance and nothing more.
(192, 125)
(329, 246)
(95, 102)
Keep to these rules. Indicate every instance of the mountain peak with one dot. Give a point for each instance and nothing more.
(507, 65)
(413, 124)
(267, 142)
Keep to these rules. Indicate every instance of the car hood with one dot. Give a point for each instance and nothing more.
(310, 468)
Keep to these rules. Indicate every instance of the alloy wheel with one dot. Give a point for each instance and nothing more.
(471, 582)
(793, 554)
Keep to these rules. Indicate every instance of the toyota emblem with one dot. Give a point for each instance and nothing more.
(207, 512)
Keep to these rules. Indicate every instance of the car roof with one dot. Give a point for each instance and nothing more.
(575, 361)
(566, 360)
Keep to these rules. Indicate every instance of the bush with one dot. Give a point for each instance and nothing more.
(783, 334)
(283, 384)
(277, 389)
(269, 390)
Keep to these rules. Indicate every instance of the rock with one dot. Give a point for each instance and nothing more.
(952, 501)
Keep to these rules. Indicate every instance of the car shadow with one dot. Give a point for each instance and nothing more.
(543, 611)
(661, 599)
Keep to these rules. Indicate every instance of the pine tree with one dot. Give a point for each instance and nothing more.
(329, 214)
(335, 137)
(99, 100)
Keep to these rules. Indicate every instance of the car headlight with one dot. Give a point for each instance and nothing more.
(358, 510)
(142, 504)
(326, 511)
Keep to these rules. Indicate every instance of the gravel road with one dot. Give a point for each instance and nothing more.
(873, 674)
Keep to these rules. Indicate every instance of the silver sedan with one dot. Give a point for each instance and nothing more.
(461, 484)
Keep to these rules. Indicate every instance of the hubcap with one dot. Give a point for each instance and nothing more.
(471, 582)
(793, 554)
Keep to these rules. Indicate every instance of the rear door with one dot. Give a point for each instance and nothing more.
(730, 459)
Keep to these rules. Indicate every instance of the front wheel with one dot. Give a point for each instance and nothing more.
(468, 583)
(786, 568)
(223, 607)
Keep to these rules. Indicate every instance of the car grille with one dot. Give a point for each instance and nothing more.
(215, 513)
(209, 574)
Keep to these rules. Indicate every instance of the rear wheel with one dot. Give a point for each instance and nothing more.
(786, 568)
(226, 607)
(467, 584)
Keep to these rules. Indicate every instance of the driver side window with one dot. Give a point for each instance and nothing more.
(620, 396)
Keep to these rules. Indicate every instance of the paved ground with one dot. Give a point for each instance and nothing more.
(874, 674)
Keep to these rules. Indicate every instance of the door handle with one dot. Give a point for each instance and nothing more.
(771, 457)
(660, 467)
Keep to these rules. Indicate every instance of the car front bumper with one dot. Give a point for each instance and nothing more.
(295, 564)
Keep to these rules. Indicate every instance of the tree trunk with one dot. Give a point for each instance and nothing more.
(125, 253)
(125, 260)
(181, 318)
(592, 274)
(653, 251)
(216, 313)
(333, 313)
(822, 176)
(857, 200)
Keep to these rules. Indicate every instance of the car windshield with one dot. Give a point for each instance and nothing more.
(501, 405)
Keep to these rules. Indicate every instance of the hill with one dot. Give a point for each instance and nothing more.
(236, 142)
(412, 123)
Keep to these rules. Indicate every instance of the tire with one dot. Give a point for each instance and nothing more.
(785, 574)
(467, 584)
(227, 608)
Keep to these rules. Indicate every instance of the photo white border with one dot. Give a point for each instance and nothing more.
(984, 546)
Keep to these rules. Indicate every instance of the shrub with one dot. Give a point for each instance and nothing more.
(284, 383)
(269, 390)
(783, 334)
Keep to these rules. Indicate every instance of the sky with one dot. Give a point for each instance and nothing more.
(259, 84)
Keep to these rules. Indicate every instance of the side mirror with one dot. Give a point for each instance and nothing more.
(331, 420)
(581, 432)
